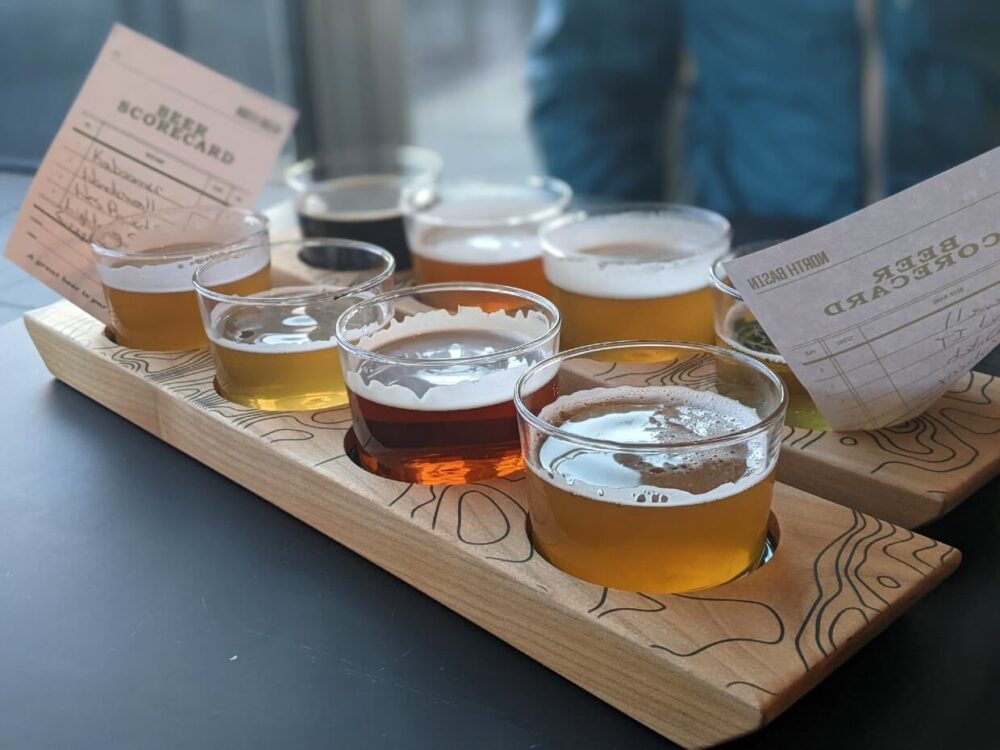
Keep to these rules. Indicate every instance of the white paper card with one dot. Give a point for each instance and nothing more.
(878, 313)
(150, 129)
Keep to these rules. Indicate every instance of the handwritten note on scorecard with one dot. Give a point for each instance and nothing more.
(150, 129)
(878, 313)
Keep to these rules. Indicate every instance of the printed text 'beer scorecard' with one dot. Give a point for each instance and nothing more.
(150, 129)
(878, 313)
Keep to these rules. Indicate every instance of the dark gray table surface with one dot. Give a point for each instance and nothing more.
(147, 602)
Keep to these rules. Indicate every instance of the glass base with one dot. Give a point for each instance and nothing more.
(304, 402)
(423, 470)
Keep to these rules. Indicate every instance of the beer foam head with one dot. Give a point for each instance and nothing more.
(424, 380)
(305, 324)
(656, 416)
(482, 223)
(634, 254)
(367, 197)
(477, 247)
(176, 274)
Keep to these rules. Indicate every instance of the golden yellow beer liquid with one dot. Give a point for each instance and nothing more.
(280, 380)
(692, 528)
(169, 321)
(522, 274)
(279, 357)
(746, 336)
(591, 320)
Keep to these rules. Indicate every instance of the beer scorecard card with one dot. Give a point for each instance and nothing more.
(150, 129)
(878, 313)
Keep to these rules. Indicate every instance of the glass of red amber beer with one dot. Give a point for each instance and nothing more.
(651, 464)
(146, 263)
(430, 374)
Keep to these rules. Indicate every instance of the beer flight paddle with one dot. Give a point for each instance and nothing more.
(700, 668)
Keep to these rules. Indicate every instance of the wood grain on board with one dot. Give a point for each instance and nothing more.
(699, 668)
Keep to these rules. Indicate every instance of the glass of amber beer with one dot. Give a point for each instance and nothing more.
(651, 464)
(635, 271)
(469, 230)
(355, 193)
(737, 328)
(430, 374)
(277, 349)
(146, 263)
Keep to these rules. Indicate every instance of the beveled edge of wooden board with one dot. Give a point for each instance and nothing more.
(699, 668)
(912, 473)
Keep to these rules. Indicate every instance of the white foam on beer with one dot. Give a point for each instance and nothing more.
(277, 343)
(177, 275)
(277, 329)
(366, 197)
(480, 247)
(460, 386)
(633, 255)
(698, 415)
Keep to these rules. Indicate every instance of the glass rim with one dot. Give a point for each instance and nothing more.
(762, 425)
(298, 176)
(563, 195)
(549, 247)
(259, 299)
(555, 322)
(718, 276)
(103, 250)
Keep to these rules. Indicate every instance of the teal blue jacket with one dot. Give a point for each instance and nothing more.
(782, 117)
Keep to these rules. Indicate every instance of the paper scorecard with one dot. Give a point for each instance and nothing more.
(877, 314)
(150, 129)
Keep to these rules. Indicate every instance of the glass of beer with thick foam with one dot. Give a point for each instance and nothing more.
(650, 466)
(277, 349)
(146, 263)
(634, 272)
(430, 373)
(737, 328)
(471, 230)
(355, 193)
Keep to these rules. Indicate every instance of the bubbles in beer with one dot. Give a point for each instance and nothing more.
(653, 416)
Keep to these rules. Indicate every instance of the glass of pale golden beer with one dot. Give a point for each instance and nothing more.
(737, 328)
(276, 350)
(471, 230)
(650, 466)
(635, 271)
(430, 373)
(355, 193)
(146, 263)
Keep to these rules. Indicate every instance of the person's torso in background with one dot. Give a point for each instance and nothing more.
(784, 120)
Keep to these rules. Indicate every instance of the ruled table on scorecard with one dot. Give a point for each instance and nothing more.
(877, 314)
(103, 173)
(135, 141)
(873, 361)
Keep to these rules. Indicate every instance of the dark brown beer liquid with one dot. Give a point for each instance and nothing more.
(447, 444)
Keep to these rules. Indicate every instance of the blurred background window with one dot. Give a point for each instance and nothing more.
(448, 74)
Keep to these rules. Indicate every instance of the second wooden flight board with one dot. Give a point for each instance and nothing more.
(908, 474)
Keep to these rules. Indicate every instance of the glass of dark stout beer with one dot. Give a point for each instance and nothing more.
(355, 193)
(650, 465)
(430, 374)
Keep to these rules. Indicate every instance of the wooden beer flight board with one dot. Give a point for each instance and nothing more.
(699, 668)
(909, 474)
